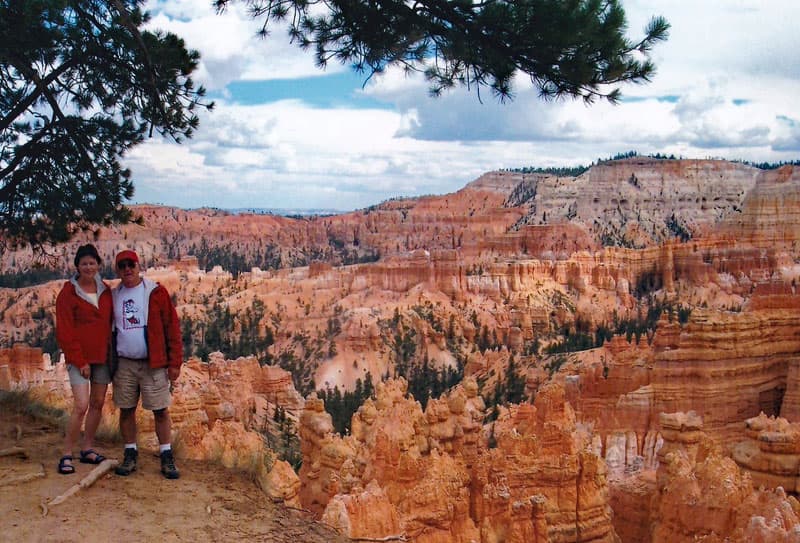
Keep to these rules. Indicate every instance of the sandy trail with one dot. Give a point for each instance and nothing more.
(208, 502)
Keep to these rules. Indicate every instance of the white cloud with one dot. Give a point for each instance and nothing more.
(727, 70)
(229, 47)
(726, 86)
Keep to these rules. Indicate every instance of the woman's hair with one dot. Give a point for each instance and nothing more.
(87, 250)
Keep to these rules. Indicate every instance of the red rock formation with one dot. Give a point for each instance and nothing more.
(443, 483)
(280, 483)
(540, 483)
(243, 389)
(725, 366)
(771, 452)
(683, 432)
(631, 497)
(365, 514)
(722, 500)
(770, 215)
(22, 364)
(455, 422)
(323, 457)
(647, 192)
(227, 442)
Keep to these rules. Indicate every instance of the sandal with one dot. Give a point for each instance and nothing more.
(63, 467)
(89, 452)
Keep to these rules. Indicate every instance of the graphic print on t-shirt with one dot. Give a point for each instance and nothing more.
(131, 314)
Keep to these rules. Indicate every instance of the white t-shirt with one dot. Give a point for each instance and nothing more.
(92, 296)
(130, 318)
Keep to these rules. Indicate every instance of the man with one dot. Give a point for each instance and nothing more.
(147, 343)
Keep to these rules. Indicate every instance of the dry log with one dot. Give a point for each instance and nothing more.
(14, 451)
(104, 467)
(24, 478)
(400, 537)
(293, 508)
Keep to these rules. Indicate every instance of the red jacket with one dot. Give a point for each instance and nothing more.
(163, 335)
(83, 331)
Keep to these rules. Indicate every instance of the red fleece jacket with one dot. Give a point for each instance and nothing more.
(83, 331)
(164, 342)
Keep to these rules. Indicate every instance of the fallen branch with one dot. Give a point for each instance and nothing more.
(400, 537)
(14, 451)
(104, 467)
(24, 478)
(293, 508)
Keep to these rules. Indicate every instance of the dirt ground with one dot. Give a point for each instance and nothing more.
(208, 502)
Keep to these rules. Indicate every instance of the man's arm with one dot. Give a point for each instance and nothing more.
(172, 336)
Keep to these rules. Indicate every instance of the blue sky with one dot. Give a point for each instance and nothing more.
(285, 134)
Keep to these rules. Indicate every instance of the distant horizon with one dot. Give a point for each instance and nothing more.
(285, 211)
(282, 211)
(328, 211)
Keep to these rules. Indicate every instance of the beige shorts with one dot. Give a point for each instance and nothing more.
(134, 378)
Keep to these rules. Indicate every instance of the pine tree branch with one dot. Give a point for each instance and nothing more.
(22, 105)
(44, 90)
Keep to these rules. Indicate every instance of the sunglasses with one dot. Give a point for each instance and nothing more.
(125, 264)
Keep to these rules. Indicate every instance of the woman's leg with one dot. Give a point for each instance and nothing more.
(97, 397)
(80, 403)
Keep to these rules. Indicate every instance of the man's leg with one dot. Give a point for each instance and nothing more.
(164, 433)
(127, 426)
(163, 426)
(157, 398)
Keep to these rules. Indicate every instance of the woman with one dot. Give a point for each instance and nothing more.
(83, 331)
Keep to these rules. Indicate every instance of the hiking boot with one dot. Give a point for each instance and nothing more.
(168, 468)
(128, 465)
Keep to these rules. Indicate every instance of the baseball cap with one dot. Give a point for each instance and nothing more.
(126, 255)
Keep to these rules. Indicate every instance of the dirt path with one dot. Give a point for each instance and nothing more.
(208, 502)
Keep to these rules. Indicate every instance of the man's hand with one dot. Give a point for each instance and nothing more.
(86, 371)
(173, 373)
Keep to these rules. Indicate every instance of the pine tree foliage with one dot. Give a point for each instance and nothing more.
(81, 83)
(342, 405)
(568, 48)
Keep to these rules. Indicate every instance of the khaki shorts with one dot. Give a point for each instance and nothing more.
(135, 377)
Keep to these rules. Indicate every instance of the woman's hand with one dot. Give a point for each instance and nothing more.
(86, 371)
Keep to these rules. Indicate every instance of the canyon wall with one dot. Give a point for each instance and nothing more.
(682, 407)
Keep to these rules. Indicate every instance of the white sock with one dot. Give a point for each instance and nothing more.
(164, 447)
(130, 446)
